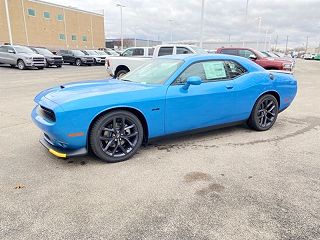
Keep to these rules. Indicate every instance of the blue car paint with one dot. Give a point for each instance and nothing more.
(166, 108)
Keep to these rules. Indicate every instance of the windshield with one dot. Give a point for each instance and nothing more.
(20, 49)
(91, 52)
(154, 72)
(78, 52)
(271, 54)
(100, 52)
(199, 50)
(112, 52)
(44, 51)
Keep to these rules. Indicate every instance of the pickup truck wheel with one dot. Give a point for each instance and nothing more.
(21, 64)
(78, 62)
(121, 73)
(116, 136)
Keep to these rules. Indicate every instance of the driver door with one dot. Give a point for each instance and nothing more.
(213, 102)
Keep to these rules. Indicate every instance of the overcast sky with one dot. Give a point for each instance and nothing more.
(150, 19)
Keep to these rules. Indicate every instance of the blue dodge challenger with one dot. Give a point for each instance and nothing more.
(169, 95)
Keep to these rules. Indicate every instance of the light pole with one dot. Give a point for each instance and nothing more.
(307, 43)
(171, 21)
(121, 6)
(259, 27)
(265, 39)
(8, 21)
(201, 27)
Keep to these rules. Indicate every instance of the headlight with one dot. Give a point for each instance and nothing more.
(28, 58)
(51, 59)
(286, 65)
(83, 59)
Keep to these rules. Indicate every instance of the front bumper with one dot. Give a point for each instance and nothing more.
(61, 152)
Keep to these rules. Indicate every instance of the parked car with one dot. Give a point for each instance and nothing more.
(51, 59)
(317, 57)
(167, 95)
(109, 51)
(21, 56)
(97, 58)
(309, 56)
(76, 57)
(138, 52)
(118, 66)
(258, 57)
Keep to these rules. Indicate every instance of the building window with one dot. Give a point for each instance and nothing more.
(46, 14)
(84, 38)
(62, 36)
(73, 37)
(31, 12)
(60, 17)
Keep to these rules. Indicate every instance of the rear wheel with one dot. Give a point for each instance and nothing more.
(121, 73)
(116, 136)
(264, 113)
(21, 64)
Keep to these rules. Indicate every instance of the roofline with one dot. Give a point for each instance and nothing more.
(66, 7)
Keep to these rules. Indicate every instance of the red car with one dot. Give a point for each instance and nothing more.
(259, 58)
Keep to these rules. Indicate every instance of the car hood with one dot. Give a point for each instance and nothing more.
(90, 89)
(30, 55)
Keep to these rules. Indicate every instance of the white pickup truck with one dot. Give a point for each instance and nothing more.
(132, 58)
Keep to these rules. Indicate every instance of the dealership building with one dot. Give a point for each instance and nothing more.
(39, 23)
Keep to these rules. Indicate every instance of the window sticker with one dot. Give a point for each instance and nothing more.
(214, 70)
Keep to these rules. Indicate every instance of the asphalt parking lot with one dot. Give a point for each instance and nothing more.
(232, 183)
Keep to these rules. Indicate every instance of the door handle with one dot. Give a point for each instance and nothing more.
(229, 86)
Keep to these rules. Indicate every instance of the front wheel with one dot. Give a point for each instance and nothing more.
(21, 65)
(116, 136)
(264, 113)
(121, 73)
(78, 62)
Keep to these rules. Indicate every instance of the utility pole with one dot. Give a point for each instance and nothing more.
(287, 44)
(201, 27)
(265, 39)
(8, 21)
(121, 6)
(307, 43)
(229, 40)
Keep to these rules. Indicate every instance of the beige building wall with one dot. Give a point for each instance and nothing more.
(87, 27)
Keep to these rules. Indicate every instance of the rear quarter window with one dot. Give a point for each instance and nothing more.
(229, 51)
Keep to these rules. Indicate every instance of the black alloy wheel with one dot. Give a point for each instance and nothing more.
(116, 136)
(78, 62)
(264, 113)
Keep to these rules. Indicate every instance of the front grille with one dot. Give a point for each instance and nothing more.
(47, 113)
(36, 59)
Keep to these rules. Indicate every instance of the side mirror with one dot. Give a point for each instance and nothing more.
(253, 57)
(193, 80)
(11, 51)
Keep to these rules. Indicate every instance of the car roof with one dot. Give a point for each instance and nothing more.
(190, 58)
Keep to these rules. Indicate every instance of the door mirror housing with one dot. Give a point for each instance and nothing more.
(193, 80)
(11, 51)
(253, 57)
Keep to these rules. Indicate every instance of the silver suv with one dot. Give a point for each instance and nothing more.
(21, 56)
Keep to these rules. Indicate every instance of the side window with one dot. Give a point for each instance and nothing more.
(245, 53)
(229, 51)
(150, 51)
(195, 69)
(128, 53)
(165, 51)
(3, 49)
(208, 71)
(183, 50)
(137, 52)
(234, 69)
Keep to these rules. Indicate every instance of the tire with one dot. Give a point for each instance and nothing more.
(111, 140)
(264, 113)
(21, 64)
(59, 66)
(78, 62)
(121, 73)
(47, 64)
(95, 62)
(40, 68)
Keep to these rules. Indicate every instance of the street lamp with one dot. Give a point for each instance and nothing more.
(121, 6)
(259, 28)
(171, 21)
(201, 27)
